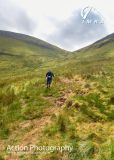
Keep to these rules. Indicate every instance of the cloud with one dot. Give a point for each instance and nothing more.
(15, 18)
(47, 20)
(74, 33)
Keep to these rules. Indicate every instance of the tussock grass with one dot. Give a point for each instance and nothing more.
(78, 110)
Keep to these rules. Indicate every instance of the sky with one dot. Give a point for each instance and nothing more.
(68, 24)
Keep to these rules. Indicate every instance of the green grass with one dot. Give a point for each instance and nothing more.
(78, 110)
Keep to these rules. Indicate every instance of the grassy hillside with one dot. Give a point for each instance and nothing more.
(21, 54)
(77, 111)
(96, 57)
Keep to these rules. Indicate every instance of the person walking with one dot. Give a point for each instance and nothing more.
(49, 78)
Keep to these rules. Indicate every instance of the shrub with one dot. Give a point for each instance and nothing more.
(111, 115)
(4, 133)
(7, 96)
(112, 100)
(69, 103)
(61, 123)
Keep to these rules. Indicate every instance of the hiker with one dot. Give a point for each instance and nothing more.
(49, 77)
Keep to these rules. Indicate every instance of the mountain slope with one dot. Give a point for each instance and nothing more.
(27, 39)
(101, 48)
(77, 111)
(21, 53)
(93, 58)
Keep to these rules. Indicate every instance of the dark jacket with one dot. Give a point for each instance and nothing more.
(49, 75)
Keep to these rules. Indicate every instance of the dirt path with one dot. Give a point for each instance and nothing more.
(39, 124)
(33, 136)
(34, 133)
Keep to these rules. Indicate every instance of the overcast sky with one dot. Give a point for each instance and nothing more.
(69, 24)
